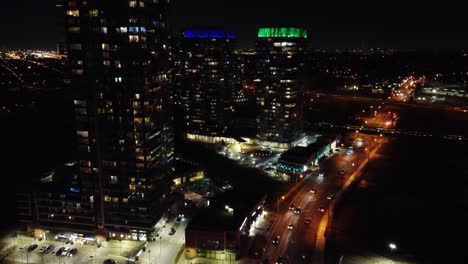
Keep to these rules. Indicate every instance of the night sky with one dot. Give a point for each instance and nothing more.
(331, 24)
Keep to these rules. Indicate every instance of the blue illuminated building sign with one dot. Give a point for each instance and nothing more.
(208, 33)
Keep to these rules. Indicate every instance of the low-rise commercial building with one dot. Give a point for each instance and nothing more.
(215, 232)
(299, 159)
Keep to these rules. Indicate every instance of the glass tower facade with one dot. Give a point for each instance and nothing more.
(119, 58)
(280, 61)
(210, 80)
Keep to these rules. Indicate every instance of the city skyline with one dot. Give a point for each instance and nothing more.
(166, 131)
(398, 25)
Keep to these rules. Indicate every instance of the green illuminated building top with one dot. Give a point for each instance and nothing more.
(282, 32)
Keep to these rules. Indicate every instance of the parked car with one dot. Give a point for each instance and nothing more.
(290, 226)
(49, 248)
(42, 249)
(172, 231)
(59, 251)
(65, 251)
(72, 252)
(307, 220)
(32, 247)
(110, 261)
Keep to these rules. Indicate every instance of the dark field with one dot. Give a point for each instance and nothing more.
(414, 195)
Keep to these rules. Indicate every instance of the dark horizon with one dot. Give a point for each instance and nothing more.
(332, 25)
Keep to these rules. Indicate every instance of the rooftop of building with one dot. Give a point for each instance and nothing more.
(226, 212)
(197, 33)
(282, 32)
(301, 154)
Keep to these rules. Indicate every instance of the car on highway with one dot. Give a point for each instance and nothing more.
(292, 207)
(297, 210)
(172, 231)
(330, 196)
(279, 260)
(307, 220)
(72, 252)
(313, 190)
(321, 208)
(32, 247)
(342, 172)
(110, 261)
(276, 240)
(290, 226)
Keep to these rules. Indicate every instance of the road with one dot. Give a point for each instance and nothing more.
(298, 245)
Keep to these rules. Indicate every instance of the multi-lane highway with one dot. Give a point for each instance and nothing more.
(297, 244)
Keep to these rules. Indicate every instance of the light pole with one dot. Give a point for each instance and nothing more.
(149, 256)
(392, 247)
(277, 203)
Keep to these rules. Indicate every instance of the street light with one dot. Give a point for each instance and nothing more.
(392, 246)
(277, 203)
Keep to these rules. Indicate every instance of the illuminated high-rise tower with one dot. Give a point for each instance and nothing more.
(280, 60)
(119, 55)
(209, 81)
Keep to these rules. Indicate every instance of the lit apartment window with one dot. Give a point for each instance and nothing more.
(74, 13)
(93, 13)
(118, 79)
(132, 3)
(77, 72)
(123, 29)
(107, 199)
(117, 64)
(105, 46)
(133, 29)
(113, 179)
(74, 29)
(104, 30)
(134, 38)
(82, 133)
